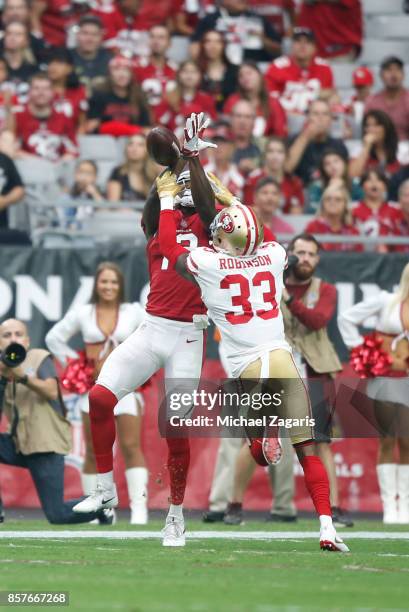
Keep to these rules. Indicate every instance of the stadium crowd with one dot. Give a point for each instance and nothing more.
(260, 69)
(288, 142)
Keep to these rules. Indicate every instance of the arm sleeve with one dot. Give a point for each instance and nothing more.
(57, 338)
(349, 320)
(167, 237)
(319, 316)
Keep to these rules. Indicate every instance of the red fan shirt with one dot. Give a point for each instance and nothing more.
(291, 190)
(400, 227)
(172, 119)
(71, 103)
(155, 81)
(296, 86)
(369, 221)
(320, 226)
(275, 124)
(49, 138)
(172, 296)
(273, 11)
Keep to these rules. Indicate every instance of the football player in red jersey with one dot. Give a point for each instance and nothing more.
(172, 337)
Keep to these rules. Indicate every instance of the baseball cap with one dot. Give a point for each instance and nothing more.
(306, 32)
(390, 60)
(362, 77)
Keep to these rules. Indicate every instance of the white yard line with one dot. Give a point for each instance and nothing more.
(199, 535)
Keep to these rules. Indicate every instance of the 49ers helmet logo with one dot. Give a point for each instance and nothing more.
(227, 223)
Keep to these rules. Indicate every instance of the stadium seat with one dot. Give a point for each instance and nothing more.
(387, 27)
(103, 226)
(179, 49)
(298, 222)
(382, 7)
(374, 50)
(97, 148)
(105, 168)
(342, 74)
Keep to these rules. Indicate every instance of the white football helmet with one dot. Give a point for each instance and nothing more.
(237, 231)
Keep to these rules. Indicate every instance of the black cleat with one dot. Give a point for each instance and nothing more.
(234, 514)
(341, 518)
(281, 518)
(213, 516)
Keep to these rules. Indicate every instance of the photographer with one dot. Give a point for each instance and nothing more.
(39, 433)
(308, 305)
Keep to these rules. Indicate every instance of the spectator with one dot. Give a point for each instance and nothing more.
(155, 74)
(11, 185)
(337, 25)
(121, 101)
(271, 119)
(292, 195)
(19, 10)
(246, 152)
(400, 225)
(126, 27)
(219, 76)
(55, 20)
(373, 212)
(132, 180)
(42, 130)
(334, 218)
(248, 36)
(333, 171)
(362, 81)
(185, 99)
(20, 60)
(84, 188)
(267, 199)
(40, 436)
(220, 163)
(396, 181)
(393, 100)
(70, 97)
(379, 147)
(8, 99)
(300, 77)
(90, 58)
(187, 14)
(277, 12)
(306, 149)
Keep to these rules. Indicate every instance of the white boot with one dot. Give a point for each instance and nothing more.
(387, 479)
(137, 480)
(88, 482)
(403, 492)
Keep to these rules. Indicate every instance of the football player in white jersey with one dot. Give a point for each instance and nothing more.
(241, 281)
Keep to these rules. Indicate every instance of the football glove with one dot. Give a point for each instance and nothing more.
(194, 130)
(167, 186)
(222, 194)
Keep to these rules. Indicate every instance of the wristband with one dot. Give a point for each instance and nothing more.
(166, 202)
(23, 380)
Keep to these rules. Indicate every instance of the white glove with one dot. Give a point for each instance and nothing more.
(195, 127)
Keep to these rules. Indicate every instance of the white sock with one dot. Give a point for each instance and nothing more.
(325, 520)
(176, 511)
(89, 483)
(106, 480)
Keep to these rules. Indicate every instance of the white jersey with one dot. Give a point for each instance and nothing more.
(243, 296)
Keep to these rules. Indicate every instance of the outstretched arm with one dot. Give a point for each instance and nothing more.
(151, 210)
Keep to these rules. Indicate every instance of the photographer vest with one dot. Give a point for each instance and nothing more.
(39, 428)
(314, 345)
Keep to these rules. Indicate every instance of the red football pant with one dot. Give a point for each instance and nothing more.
(101, 412)
(178, 466)
(316, 481)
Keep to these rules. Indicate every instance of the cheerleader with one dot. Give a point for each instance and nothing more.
(103, 323)
(389, 392)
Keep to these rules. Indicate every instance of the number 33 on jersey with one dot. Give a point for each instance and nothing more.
(243, 296)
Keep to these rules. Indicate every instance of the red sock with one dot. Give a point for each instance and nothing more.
(178, 466)
(316, 481)
(101, 412)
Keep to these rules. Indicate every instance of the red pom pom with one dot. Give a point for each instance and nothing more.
(78, 376)
(369, 359)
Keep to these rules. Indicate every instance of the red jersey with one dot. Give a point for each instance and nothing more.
(369, 221)
(292, 191)
(55, 21)
(202, 102)
(400, 227)
(172, 296)
(49, 138)
(154, 81)
(320, 226)
(273, 11)
(337, 26)
(71, 103)
(275, 124)
(297, 86)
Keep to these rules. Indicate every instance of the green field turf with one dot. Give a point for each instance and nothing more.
(209, 575)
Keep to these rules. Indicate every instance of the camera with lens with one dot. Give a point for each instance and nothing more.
(13, 355)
